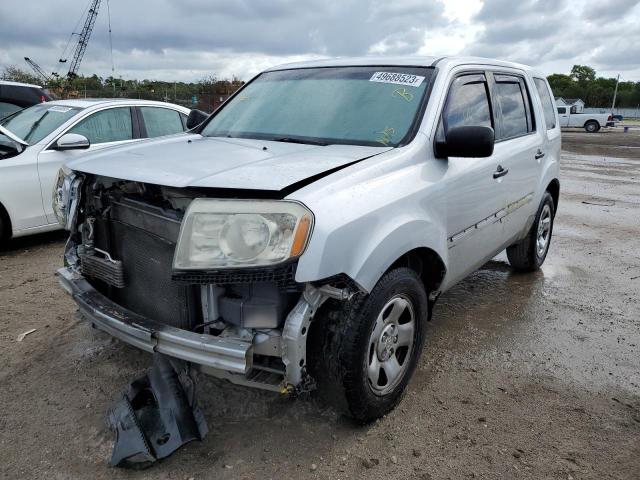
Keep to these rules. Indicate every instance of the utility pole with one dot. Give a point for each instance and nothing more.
(615, 94)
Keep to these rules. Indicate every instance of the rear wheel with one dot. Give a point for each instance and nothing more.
(592, 126)
(366, 350)
(529, 254)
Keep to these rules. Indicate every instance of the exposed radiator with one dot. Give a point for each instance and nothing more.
(147, 260)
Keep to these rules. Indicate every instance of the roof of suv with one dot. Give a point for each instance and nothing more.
(18, 84)
(424, 61)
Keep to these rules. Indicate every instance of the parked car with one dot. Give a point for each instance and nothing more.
(37, 141)
(302, 234)
(15, 96)
(591, 122)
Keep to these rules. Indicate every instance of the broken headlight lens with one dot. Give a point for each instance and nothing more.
(62, 195)
(240, 233)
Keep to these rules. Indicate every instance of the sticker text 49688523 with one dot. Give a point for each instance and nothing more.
(397, 78)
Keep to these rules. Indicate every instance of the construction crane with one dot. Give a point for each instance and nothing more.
(83, 39)
(36, 68)
(81, 46)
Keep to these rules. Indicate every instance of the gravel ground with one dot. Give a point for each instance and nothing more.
(523, 376)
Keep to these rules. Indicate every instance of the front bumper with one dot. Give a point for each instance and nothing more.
(231, 355)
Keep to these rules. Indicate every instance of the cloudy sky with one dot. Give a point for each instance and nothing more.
(189, 39)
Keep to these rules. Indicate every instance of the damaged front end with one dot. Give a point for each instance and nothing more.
(138, 263)
(247, 324)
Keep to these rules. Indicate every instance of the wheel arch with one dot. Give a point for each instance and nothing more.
(554, 189)
(426, 263)
(6, 229)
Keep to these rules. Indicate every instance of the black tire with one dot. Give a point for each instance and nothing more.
(525, 256)
(4, 234)
(340, 346)
(592, 126)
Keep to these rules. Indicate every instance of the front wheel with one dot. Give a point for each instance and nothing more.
(529, 254)
(366, 350)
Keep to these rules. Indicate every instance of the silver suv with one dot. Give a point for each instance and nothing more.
(300, 237)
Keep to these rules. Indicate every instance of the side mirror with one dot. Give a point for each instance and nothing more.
(470, 142)
(72, 141)
(195, 118)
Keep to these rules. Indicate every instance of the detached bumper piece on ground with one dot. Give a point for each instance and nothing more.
(157, 415)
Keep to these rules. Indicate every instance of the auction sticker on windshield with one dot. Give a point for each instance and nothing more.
(55, 108)
(397, 78)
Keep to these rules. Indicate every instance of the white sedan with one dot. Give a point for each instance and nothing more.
(37, 141)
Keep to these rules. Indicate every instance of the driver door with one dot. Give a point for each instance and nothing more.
(104, 128)
(473, 194)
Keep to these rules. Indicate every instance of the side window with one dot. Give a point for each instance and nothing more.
(562, 110)
(111, 125)
(547, 103)
(467, 105)
(515, 109)
(161, 121)
(574, 109)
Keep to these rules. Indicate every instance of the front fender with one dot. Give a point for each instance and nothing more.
(366, 248)
(406, 237)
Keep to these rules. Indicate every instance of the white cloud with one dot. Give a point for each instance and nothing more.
(188, 39)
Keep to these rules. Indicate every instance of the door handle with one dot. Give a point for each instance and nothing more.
(539, 154)
(500, 172)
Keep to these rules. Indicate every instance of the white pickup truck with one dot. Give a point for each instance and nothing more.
(591, 122)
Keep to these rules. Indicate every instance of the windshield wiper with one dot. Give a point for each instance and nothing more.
(300, 140)
(12, 136)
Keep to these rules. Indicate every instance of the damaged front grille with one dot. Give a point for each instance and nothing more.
(282, 275)
(106, 269)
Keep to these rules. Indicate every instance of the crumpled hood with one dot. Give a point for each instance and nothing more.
(189, 160)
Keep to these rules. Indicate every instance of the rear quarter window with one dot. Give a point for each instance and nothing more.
(547, 103)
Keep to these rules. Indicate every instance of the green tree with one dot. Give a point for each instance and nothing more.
(582, 74)
(16, 74)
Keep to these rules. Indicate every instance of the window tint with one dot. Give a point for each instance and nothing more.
(513, 100)
(111, 125)
(562, 110)
(547, 103)
(24, 96)
(467, 104)
(161, 121)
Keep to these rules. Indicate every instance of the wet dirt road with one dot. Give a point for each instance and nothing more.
(523, 376)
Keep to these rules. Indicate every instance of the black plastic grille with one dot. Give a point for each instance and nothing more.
(283, 275)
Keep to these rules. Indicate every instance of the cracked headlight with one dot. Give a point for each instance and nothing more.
(241, 233)
(61, 199)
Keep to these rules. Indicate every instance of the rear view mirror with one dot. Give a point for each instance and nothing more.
(195, 118)
(470, 142)
(72, 141)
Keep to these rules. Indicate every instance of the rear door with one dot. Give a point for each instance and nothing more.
(519, 148)
(473, 193)
(103, 128)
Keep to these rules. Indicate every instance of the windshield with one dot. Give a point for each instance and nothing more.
(34, 123)
(351, 105)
